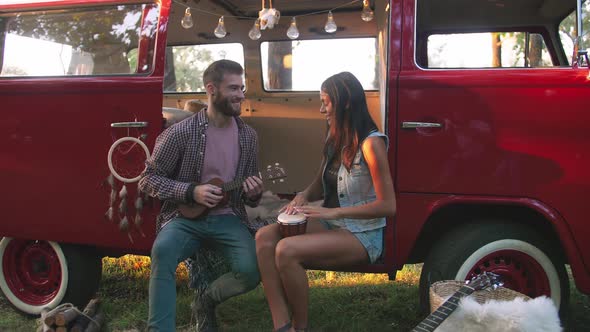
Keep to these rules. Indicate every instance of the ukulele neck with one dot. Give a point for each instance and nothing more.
(430, 323)
(235, 184)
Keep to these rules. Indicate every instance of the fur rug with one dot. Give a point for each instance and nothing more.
(536, 315)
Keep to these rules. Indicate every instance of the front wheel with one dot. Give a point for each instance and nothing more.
(526, 261)
(39, 274)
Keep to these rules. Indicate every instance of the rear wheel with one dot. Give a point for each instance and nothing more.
(527, 262)
(39, 274)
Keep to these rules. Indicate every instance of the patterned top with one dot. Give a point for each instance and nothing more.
(177, 161)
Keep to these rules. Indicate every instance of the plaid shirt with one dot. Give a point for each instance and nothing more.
(177, 161)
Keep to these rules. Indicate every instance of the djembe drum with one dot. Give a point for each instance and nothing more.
(292, 224)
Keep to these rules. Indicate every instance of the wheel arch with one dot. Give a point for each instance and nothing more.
(448, 215)
(525, 257)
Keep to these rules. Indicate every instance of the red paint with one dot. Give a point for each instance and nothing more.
(510, 137)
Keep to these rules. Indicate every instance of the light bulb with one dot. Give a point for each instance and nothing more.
(187, 20)
(220, 30)
(330, 26)
(293, 32)
(254, 33)
(367, 13)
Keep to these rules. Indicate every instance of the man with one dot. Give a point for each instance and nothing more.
(215, 143)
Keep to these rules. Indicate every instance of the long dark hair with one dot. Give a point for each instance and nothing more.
(352, 121)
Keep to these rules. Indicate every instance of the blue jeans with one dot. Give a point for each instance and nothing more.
(180, 239)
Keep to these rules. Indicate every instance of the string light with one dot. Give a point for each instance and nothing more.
(220, 30)
(270, 17)
(187, 20)
(293, 32)
(255, 33)
(367, 13)
(330, 26)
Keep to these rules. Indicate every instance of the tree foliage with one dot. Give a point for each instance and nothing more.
(185, 72)
(105, 34)
(567, 29)
(567, 32)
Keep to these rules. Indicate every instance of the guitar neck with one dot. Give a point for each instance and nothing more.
(235, 184)
(430, 323)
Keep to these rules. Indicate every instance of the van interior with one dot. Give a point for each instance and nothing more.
(283, 75)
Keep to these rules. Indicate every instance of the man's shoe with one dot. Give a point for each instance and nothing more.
(204, 310)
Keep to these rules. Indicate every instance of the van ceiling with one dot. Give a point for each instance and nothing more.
(241, 14)
(251, 8)
(444, 15)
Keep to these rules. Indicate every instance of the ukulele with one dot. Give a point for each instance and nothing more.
(196, 210)
(482, 281)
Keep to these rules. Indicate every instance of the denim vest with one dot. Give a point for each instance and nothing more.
(356, 188)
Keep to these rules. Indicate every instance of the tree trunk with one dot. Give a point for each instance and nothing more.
(536, 46)
(280, 75)
(169, 74)
(496, 50)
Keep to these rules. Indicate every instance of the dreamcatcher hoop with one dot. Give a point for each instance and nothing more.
(110, 157)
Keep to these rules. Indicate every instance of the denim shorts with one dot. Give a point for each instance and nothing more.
(372, 240)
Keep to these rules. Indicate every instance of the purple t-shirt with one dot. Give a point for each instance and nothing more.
(222, 153)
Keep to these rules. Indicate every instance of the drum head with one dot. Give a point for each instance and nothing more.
(287, 219)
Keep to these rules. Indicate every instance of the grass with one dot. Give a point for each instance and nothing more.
(339, 301)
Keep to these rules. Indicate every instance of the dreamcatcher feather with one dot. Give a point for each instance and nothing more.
(126, 159)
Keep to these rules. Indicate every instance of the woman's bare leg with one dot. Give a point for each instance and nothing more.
(266, 241)
(325, 249)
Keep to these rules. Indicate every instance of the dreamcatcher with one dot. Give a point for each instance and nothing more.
(126, 160)
(268, 16)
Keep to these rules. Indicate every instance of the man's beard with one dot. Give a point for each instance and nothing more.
(224, 105)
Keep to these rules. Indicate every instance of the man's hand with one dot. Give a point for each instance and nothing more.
(208, 195)
(253, 188)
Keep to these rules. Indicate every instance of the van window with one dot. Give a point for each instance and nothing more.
(567, 32)
(486, 50)
(302, 65)
(185, 64)
(74, 42)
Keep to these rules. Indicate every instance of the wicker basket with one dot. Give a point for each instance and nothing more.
(440, 291)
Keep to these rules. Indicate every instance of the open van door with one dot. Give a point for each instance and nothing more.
(81, 98)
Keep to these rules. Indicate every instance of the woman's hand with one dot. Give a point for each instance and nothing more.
(299, 200)
(318, 212)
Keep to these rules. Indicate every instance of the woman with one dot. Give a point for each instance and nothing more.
(347, 230)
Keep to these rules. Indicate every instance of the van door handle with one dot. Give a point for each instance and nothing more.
(135, 124)
(414, 125)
